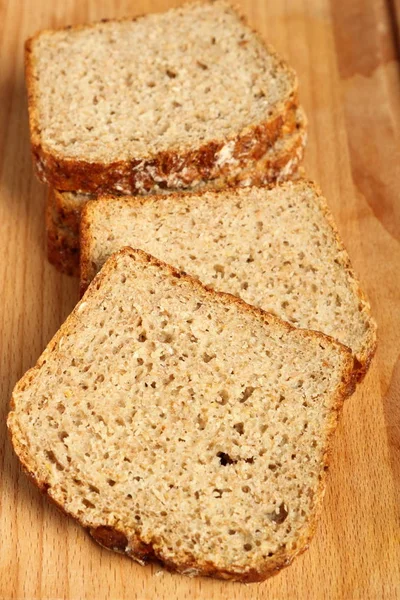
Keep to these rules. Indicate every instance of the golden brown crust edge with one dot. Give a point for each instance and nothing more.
(173, 168)
(67, 214)
(62, 250)
(168, 169)
(118, 540)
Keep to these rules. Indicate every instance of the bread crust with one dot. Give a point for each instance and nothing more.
(361, 362)
(62, 245)
(131, 544)
(179, 167)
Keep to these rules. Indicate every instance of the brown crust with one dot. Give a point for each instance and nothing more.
(61, 256)
(62, 246)
(176, 168)
(68, 213)
(361, 361)
(137, 548)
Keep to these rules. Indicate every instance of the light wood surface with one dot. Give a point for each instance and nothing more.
(345, 55)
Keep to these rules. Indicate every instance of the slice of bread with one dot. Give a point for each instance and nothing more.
(277, 248)
(279, 163)
(120, 106)
(181, 424)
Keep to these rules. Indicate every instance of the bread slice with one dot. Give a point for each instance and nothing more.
(181, 424)
(277, 248)
(279, 163)
(64, 208)
(121, 106)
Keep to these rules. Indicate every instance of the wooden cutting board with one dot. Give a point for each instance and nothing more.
(345, 55)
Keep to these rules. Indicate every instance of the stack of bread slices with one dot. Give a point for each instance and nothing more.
(189, 99)
(181, 417)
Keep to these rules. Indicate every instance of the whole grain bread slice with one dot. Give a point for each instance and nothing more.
(279, 163)
(177, 423)
(64, 208)
(276, 248)
(168, 109)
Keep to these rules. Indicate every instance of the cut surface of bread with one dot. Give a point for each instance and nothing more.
(181, 424)
(279, 163)
(275, 248)
(64, 208)
(123, 105)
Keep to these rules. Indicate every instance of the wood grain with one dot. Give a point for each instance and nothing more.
(346, 57)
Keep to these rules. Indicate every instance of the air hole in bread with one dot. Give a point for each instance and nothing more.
(201, 422)
(239, 428)
(201, 65)
(219, 269)
(223, 397)
(87, 503)
(208, 357)
(247, 547)
(53, 459)
(279, 515)
(247, 393)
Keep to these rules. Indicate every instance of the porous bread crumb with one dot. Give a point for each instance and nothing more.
(277, 249)
(129, 89)
(279, 162)
(65, 208)
(182, 424)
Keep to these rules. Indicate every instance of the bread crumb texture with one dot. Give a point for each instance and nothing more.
(277, 249)
(179, 423)
(127, 89)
